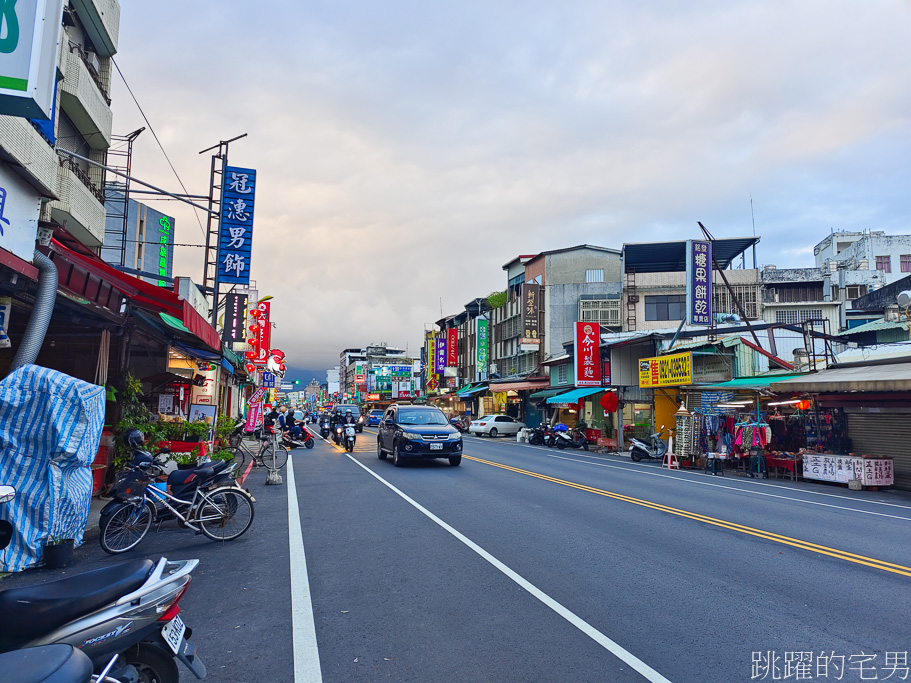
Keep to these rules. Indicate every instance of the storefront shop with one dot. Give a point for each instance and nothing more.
(512, 398)
(875, 401)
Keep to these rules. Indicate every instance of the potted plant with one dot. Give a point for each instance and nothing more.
(186, 460)
(58, 552)
(196, 431)
(224, 427)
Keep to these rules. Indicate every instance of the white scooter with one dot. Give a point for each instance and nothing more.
(639, 450)
(350, 437)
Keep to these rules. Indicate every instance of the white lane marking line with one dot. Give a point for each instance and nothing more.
(303, 628)
(635, 470)
(630, 659)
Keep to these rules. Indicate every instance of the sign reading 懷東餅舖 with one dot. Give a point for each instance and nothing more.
(699, 282)
(236, 234)
(666, 371)
(587, 339)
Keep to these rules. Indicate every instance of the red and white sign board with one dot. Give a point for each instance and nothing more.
(262, 338)
(587, 340)
(257, 396)
(254, 416)
(452, 348)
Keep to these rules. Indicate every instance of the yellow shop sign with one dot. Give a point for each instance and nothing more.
(666, 371)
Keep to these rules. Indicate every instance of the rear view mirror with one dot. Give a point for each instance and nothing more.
(7, 493)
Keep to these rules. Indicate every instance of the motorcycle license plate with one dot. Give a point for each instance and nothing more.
(173, 633)
(436, 446)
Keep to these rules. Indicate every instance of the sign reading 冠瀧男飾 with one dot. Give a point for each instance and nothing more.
(235, 239)
(699, 282)
(666, 371)
(29, 38)
(587, 340)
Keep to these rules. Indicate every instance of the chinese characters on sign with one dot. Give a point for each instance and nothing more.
(235, 317)
(164, 240)
(699, 282)
(452, 348)
(439, 355)
(587, 340)
(482, 345)
(236, 236)
(666, 371)
(531, 294)
(262, 337)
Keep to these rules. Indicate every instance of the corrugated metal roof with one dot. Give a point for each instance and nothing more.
(876, 326)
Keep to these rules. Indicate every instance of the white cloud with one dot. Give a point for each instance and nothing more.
(407, 150)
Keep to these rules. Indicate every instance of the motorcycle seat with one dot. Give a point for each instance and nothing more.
(203, 472)
(33, 611)
(58, 663)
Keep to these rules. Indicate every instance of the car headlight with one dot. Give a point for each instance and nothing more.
(411, 436)
(455, 437)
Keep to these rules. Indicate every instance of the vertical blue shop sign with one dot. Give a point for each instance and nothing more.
(699, 282)
(236, 237)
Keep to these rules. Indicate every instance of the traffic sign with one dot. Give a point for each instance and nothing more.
(287, 386)
(268, 380)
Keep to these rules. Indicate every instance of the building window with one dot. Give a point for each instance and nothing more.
(748, 295)
(795, 316)
(594, 275)
(603, 311)
(855, 291)
(905, 263)
(562, 374)
(884, 263)
(667, 307)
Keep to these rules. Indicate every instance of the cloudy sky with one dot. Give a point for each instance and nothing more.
(406, 150)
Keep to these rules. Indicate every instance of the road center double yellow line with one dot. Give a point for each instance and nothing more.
(733, 526)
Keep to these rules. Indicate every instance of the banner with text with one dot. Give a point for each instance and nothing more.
(235, 240)
(482, 345)
(699, 282)
(531, 294)
(666, 371)
(452, 348)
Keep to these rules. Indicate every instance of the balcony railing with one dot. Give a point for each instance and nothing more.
(70, 163)
(96, 77)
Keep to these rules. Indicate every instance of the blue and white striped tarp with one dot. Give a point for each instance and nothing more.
(50, 425)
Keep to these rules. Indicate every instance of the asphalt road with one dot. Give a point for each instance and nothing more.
(529, 564)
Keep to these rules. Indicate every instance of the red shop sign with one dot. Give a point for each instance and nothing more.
(452, 348)
(587, 340)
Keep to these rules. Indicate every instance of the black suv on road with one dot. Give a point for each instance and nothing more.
(409, 431)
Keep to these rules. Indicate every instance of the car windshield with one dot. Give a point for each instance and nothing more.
(486, 417)
(422, 417)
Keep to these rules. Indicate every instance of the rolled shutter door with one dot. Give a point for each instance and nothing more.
(884, 434)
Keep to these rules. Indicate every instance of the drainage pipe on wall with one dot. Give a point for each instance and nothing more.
(37, 325)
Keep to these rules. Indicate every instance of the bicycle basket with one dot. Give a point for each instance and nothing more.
(131, 484)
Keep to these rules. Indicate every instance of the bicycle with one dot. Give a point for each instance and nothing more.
(271, 454)
(221, 512)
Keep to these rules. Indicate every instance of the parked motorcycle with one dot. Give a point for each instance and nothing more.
(124, 617)
(573, 439)
(656, 450)
(538, 436)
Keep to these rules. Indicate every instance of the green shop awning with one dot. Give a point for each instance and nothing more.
(470, 391)
(547, 393)
(176, 323)
(749, 383)
(574, 395)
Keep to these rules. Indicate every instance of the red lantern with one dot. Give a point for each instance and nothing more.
(251, 342)
(250, 368)
(804, 404)
(250, 354)
(610, 402)
(254, 328)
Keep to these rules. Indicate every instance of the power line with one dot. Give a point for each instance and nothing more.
(155, 135)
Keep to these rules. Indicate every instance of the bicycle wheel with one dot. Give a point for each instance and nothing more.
(227, 514)
(126, 527)
(274, 457)
(239, 460)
